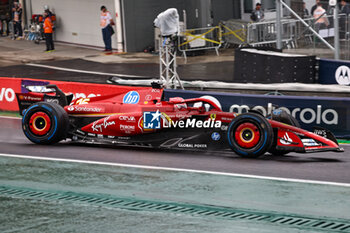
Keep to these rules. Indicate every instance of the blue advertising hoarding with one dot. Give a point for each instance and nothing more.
(334, 72)
(330, 113)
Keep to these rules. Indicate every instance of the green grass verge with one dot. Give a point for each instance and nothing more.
(8, 113)
(343, 141)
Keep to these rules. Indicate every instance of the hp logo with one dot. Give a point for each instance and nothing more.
(132, 97)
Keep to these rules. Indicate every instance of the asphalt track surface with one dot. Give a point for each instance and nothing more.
(222, 71)
(327, 166)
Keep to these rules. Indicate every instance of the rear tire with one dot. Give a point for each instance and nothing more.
(45, 123)
(250, 135)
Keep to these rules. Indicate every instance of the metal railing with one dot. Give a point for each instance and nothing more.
(200, 39)
(234, 31)
(263, 33)
(296, 35)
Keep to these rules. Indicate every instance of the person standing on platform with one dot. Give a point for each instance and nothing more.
(320, 17)
(257, 16)
(48, 31)
(106, 23)
(313, 8)
(344, 19)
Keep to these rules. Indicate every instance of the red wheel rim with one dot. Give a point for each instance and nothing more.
(247, 135)
(39, 123)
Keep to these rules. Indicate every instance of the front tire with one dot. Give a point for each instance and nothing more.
(250, 135)
(45, 123)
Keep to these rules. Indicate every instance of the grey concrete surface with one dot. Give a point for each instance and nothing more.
(35, 216)
(180, 187)
(207, 72)
(23, 51)
(15, 54)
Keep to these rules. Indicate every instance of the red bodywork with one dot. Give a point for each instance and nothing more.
(122, 116)
(124, 119)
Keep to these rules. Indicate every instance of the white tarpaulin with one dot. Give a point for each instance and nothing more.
(168, 22)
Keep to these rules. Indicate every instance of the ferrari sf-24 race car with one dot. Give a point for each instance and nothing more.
(144, 118)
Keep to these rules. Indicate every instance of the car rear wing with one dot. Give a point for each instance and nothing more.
(49, 93)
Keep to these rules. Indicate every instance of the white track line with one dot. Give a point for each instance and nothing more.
(10, 117)
(180, 170)
(83, 71)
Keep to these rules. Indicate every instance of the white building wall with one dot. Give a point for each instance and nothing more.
(78, 21)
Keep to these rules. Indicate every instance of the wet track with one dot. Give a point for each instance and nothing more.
(207, 71)
(328, 166)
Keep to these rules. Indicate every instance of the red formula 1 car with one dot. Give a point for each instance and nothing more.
(144, 118)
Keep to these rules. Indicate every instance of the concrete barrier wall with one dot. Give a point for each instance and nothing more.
(330, 113)
(254, 65)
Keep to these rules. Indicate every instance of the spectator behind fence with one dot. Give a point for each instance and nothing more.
(257, 14)
(106, 23)
(313, 8)
(17, 20)
(48, 30)
(344, 7)
(305, 11)
(344, 11)
(320, 17)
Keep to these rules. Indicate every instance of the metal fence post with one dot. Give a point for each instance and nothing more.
(278, 25)
(336, 33)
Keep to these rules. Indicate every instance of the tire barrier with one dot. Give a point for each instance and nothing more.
(257, 66)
